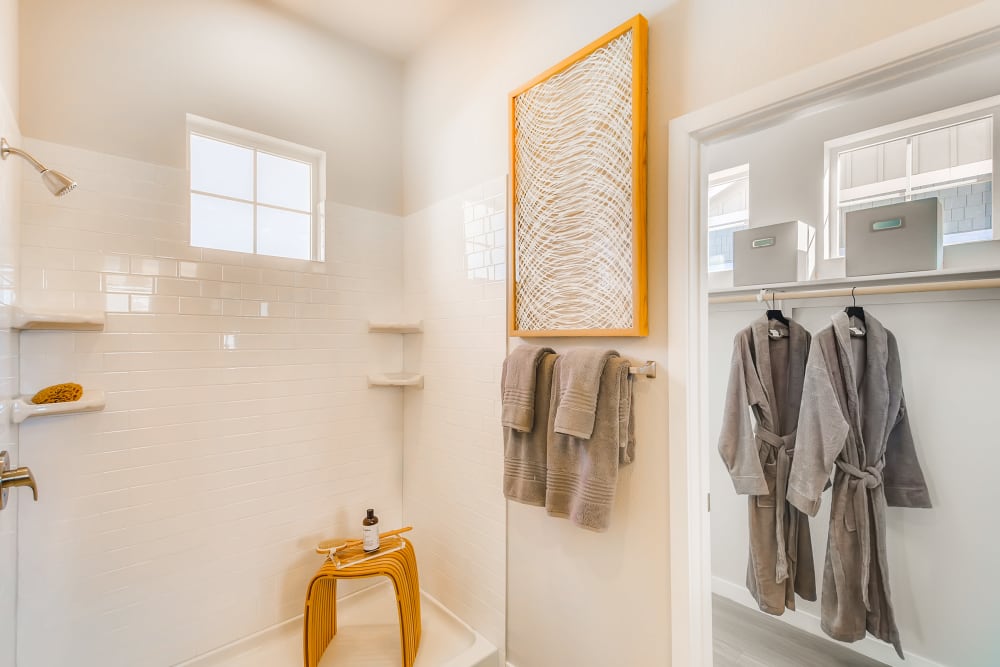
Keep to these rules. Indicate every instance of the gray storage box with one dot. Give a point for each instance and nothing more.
(781, 253)
(895, 238)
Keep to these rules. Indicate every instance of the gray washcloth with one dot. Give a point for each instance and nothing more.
(583, 474)
(517, 409)
(579, 379)
(524, 453)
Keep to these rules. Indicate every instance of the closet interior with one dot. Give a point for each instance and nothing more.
(855, 409)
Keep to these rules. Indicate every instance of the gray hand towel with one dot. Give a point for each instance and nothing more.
(579, 380)
(524, 452)
(626, 421)
(582, 475)
(518, 386)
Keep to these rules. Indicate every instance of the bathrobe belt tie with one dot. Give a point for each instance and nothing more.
(863, 480)
(784, 448)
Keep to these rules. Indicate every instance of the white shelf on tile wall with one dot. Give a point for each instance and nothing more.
(40, 320)
(396, 380)
(396, 327)
(22, 407)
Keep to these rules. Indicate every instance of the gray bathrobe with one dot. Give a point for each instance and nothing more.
(766, 374)
(853, 423)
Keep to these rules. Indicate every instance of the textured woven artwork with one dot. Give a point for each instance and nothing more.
(575, 249)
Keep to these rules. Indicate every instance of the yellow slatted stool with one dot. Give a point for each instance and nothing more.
(399, 565)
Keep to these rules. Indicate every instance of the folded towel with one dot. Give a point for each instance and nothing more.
(524, 452)
(517, 409)
(582, 474)
(579, 379)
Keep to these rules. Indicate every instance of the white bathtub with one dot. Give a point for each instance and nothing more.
(367, 636)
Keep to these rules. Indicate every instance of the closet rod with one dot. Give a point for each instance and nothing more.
(941, 286)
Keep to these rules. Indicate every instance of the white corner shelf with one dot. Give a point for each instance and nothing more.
(42, 320)
(396, 327)
(396, 380)
(22, 407)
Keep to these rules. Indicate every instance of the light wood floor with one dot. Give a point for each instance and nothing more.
(744, 637)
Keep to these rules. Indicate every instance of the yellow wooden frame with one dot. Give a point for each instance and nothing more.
(640, 40)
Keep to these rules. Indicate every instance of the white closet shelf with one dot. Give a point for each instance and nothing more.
(396, 327)
(396, 380)
(42, 320)
(22, 407)
(847, 281)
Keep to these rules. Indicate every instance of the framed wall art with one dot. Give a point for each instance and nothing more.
(577, 238)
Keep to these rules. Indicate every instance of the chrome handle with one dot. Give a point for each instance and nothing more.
(13, 478)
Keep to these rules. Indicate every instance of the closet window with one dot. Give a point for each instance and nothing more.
(948, 155)
(254, 194)
(728, 211)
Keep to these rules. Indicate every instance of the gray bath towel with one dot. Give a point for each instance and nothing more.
(583, 474)
(520, 368)
(524, 452)
(579, 379)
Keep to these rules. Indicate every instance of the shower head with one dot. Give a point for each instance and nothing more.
(57, 183)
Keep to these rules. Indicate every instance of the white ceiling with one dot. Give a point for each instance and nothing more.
(394, 27)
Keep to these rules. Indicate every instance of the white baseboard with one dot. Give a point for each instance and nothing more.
(803, 620)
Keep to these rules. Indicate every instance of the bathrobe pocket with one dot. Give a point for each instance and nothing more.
(770, 476)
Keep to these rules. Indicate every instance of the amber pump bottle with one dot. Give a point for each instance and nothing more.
(369, 531)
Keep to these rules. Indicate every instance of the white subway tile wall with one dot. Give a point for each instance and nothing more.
(453, 450)
(239, 428)
(9, 199)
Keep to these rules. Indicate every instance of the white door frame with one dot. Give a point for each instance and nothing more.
(905, 56)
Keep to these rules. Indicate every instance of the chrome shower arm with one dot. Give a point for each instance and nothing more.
(5, 149)
(57, 183)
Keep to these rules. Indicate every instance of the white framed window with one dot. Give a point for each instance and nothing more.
(948, 154)
(253, 193)
(728, 211)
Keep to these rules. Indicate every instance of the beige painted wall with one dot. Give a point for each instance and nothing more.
(702, 51)
(118, 76)
(8, 57)
(575, 597)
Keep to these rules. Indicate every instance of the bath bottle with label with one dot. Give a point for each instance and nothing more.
(369, 531)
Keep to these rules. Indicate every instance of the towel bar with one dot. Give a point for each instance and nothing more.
(648, 369)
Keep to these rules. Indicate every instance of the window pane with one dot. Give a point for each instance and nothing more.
(932, 150)
(720, 249)
(221, 223)
(975, 141)
(967, 212)
(283, 233)
(864, 166)
(221, 168)
(283, 182)
(894, 159)
(728, 210)
(729, 198)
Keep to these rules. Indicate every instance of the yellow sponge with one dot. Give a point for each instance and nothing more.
(59, 393)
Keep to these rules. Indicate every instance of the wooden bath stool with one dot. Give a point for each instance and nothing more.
(394, 559)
